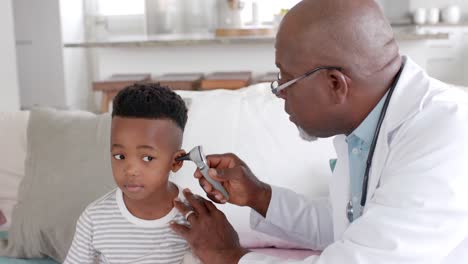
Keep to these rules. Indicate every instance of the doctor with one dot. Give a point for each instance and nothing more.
(399, 192)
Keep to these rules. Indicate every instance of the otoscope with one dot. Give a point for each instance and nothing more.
(198, 157)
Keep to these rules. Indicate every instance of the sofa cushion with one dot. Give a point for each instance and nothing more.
(67, 167)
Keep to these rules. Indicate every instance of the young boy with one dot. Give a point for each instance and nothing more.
(131, 223)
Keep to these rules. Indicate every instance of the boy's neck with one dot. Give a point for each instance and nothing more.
(156, 206)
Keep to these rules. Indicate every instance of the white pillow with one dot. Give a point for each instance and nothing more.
(13, 127)
(252, 124)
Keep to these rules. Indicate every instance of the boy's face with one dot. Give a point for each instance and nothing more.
(143, 153)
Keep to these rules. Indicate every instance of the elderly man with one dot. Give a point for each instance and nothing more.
(399, 193)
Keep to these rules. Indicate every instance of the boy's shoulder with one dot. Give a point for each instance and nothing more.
(106, 200)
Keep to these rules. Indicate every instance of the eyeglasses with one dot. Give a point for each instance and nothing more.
(276, 87)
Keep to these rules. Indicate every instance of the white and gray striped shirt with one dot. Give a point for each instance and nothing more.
(107, 232)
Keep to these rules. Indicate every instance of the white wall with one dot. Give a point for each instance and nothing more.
(258, 58)
(395, 11)
(77, 84)
(39, 53)
(9, 90)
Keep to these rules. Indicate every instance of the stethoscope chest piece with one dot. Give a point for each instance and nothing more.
(350, 211)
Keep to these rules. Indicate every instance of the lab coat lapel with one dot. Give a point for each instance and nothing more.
(404, 104)
(339, 187)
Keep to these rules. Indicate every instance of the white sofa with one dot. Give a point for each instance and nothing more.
(249, 122)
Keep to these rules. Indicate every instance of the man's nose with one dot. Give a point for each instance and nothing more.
(282, 94)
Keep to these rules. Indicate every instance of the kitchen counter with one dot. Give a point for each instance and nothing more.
(168, 40)
(461, 24)
(408, 33)
(412, 34)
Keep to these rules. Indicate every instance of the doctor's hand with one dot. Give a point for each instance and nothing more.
(243, 187)
(210, 236)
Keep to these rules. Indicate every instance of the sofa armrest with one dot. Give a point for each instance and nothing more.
(13, 130)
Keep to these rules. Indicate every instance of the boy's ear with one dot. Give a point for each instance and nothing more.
(176, 165)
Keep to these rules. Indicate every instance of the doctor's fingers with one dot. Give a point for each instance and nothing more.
(182, 230)
(184, 209)
(200, 205)
(196, 202)
(221, 161)
(222, 176)
(214, 195)
(228, 174)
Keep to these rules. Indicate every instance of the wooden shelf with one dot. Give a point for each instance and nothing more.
(119, 81)
(181, 81)
(112, 85)
(244, 32)
(268, 77)
(226, 80)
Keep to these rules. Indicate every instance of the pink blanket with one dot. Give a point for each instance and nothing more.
(295, 254)
(2, 218)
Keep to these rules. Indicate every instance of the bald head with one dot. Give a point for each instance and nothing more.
(352, 34)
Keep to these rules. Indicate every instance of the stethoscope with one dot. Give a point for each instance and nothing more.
(365, 182)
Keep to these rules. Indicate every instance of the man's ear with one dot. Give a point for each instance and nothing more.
(339, 84)
(176, 165)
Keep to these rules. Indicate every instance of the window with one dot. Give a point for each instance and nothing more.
(130, 17)
(267, 9)
(114, 18)
(120, 7)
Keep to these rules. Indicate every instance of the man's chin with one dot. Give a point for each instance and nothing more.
(306, 136)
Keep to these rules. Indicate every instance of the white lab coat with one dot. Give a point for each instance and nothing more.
(417, 204)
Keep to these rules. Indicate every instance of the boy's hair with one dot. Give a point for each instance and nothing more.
(150, 101)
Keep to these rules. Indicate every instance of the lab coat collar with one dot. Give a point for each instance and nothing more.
(404, 104)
